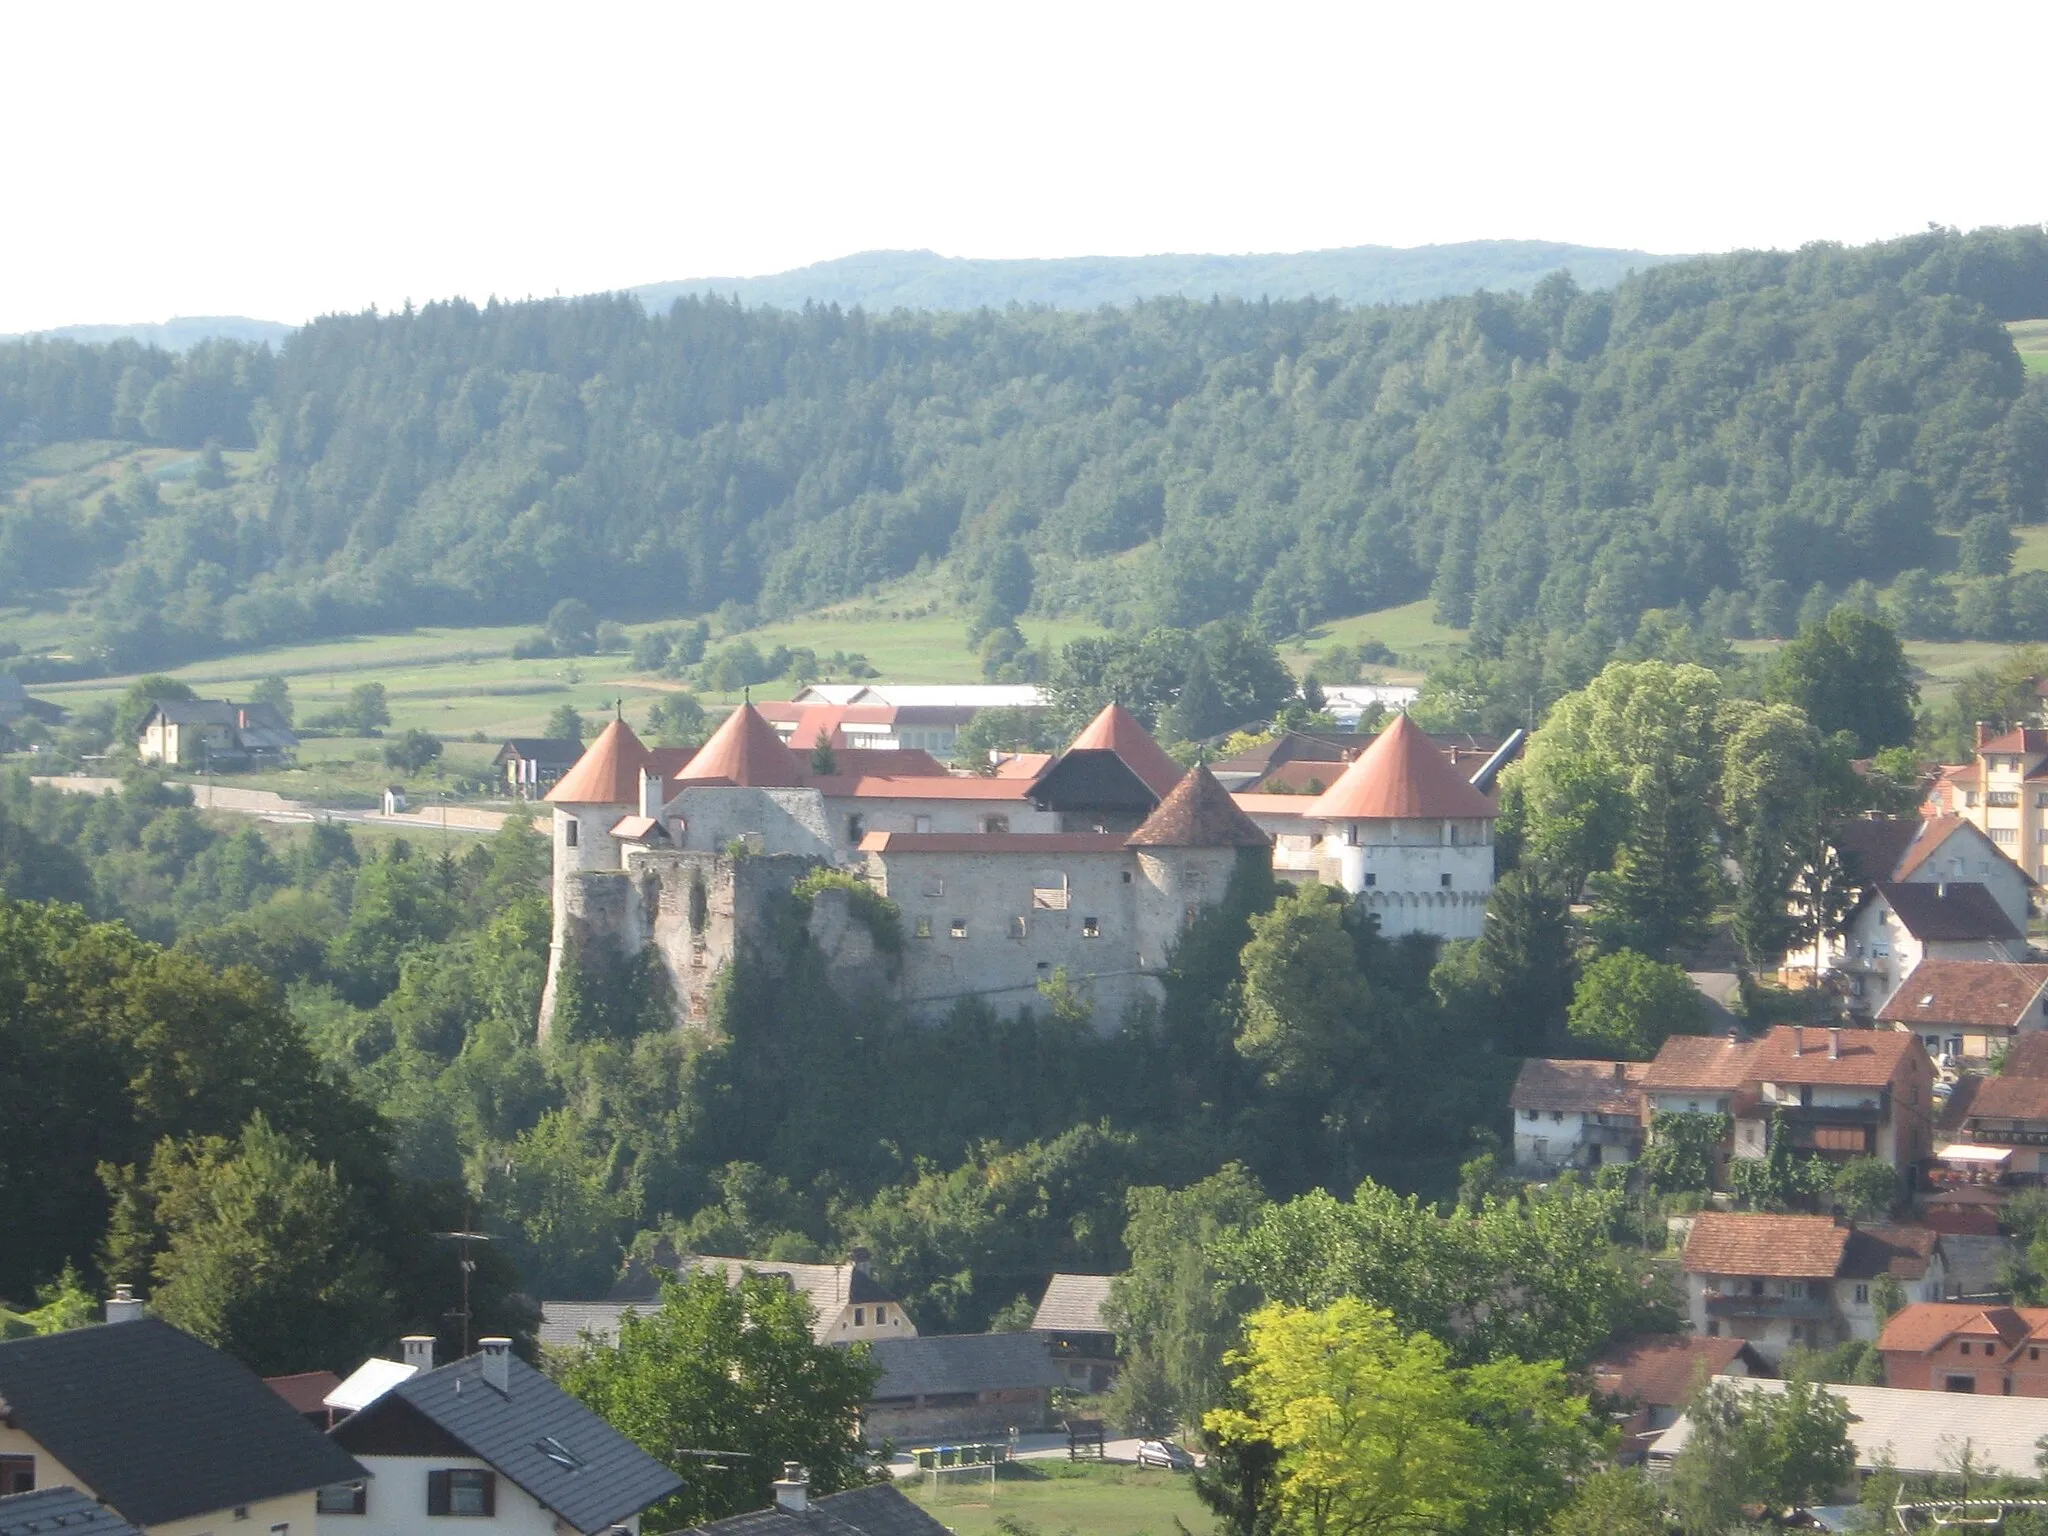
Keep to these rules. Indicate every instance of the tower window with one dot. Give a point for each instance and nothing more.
(924, 927)
(1091, 928)
(959, 927)
(1127, 881)
(568, 834)
(856, 825)
(1017, 928)
(1371, 878)
(1444, 881)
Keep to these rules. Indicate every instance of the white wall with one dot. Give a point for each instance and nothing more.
(889, 814)
(397, 1504)
(1398, 869)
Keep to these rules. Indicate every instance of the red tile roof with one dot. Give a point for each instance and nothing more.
(2028, 1055)
(1401, 776)
(1934, 831)
(1864, 1058)
(921, 787)
(1985, 994)
(608, 772)
(744, 750)
(306, 1391)
(1117, 730)
(1779, 1247)
(1662, 1368)
(1926, 1325)
(2010, 1098)
(1708, 1063)
(1579, 1087)
(1199, 813)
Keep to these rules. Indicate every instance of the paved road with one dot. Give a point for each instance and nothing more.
(271, 806)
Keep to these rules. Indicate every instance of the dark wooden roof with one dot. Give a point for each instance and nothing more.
(1093, 779)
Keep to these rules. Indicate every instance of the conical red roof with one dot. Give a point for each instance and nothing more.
(1401, 776)
(744, 750)
(1117, 730)
(608, 772)
(1198, 813)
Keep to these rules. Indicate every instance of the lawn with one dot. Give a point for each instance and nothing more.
(1054, 1498)
(2031, 337)
(1409, 631)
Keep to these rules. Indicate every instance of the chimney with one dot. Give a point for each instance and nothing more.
(122, 1307)
(497, 1364)
(1835, 1044)
(650, 794)
(1983, 732)
(793, 1489)
(417, 1350)
(859, 1259)
(1798, 1040)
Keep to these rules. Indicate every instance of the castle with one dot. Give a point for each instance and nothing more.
(1088, 862)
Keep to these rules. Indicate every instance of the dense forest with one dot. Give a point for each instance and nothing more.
(1721, 433)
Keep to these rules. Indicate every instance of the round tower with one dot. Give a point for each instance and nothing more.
(1185, 853)
(587, 802)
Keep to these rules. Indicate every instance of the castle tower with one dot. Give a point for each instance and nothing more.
(1186, 852)
(1111, 777)
(588, 802)
(744, 750)
(1409, 837)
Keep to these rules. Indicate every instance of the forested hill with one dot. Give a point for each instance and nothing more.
(1710, 427)
(177, 334)
(1359, 274)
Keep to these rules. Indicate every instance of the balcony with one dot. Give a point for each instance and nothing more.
(2030, 1137)
(1871, 1115)
(1798, 1308)
(1613, 1135)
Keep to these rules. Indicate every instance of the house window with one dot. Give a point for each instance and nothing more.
(1091, 928)
(1351, 833)
(995, 823)
(1557, 1117)
(881, 1316)
(17, 1474)
(1963, 1348)
(568, 834)
(924, 927)
(1713, 1330)
(1444, 881)
(1862, 1295)
(462, 1491)
(921, 824)
(2033, 1351)
(1756, 1287)
(1017, 928)
(860, 1317)
(1961, 1383)
(856, 825)
(2005, 836)
(959, 927)
(343, 1498)
(1528, 1114)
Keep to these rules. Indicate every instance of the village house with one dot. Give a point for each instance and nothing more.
(891, 716)
(1913, 1433)
(2003, 792)
(531, 765)
(1070, 1319)
(1967, 1010)
(1779, 1282)
(1840, 1093)
(214, 733)
(1927, 888)
(487, 1439)
(170, 1434)
(1577, 1114)
(2000, 1133)
(960, 1386)
(1654, 1375)
(1952, 1346)
(848, 1304)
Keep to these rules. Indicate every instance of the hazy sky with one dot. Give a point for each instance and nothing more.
(286, 159)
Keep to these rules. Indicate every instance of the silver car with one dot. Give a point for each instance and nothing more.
(1164, 1453)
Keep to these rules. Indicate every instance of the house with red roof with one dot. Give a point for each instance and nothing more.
(1962, 1346)
(1577, 1114)
(1652, 1376)
(1968, 1010)
(1400, 829)
(2003, 792)
(1777, 1282)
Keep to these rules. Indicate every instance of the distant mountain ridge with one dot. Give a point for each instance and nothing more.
(178, 334)
(1359, 274)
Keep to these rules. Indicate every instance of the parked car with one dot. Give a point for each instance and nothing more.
(1164, 1453)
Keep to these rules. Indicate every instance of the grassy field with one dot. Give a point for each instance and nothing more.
(1409, 631)
(2031, 337)
(1055, 1498)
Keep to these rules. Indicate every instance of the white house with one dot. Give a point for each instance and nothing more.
(1577, 1114)
(1784, 1281)
(492, 1441)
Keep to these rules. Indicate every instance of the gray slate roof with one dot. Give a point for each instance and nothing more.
(963, 1362)
(563, 1323)
(876, 1510)
(828, 1287)
(160, 1425)
(1073, 1304)
(614, 1477)
(59, 1512)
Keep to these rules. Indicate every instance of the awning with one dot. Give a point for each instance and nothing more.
(1962, 1154)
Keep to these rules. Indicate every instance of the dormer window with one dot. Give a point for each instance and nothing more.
(860, 1317)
